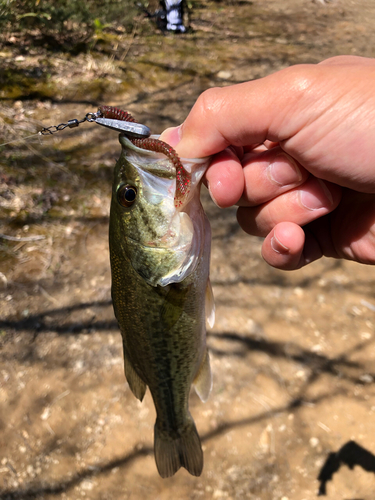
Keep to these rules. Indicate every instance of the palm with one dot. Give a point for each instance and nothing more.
(349, 231)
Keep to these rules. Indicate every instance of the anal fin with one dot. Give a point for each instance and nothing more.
(136, 384)
(203, 380)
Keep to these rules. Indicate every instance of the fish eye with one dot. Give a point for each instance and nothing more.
(126, 195)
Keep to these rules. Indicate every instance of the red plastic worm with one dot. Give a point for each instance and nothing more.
(116, 114)
(183, 178)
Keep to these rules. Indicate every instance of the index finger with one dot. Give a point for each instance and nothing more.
(244, 114)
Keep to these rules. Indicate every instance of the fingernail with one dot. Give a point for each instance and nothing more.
(172, 136)
(283, 171)
(213, 199)
(321, 198)
(277, 246)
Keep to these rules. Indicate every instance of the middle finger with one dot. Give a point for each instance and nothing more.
(301, 205)
(269, 174)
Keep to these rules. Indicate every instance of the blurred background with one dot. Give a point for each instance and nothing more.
(292, 409)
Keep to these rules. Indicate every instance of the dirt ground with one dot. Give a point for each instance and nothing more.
(292, 411)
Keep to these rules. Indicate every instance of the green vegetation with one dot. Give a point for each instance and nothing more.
(76, 26)
(64, 21)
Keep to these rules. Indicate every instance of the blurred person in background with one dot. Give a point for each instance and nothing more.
(175, 14)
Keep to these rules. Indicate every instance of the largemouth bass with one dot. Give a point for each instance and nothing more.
(160, 253)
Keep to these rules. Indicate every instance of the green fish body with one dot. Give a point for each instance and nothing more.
(161, 296)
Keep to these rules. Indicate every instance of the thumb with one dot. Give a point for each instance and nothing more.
(171, 136)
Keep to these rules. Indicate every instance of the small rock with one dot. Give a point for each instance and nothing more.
(46, 413)
(366, 378)
(224, 75)
(314, 442)
(87, 485)
(365, 335)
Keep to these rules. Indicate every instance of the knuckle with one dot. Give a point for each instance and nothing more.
(210, 102)
(300, 77)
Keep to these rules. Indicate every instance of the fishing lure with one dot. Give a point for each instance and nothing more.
(183, 178)
(138, 134)
(115, 114)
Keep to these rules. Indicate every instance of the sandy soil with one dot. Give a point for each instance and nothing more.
(292, 411)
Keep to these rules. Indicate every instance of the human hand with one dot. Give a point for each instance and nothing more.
(295, 151)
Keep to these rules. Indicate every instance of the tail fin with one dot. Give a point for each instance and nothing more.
(182, 451)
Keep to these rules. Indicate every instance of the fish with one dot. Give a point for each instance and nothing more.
(161, 293)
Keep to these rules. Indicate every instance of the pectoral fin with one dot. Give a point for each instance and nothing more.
(173, 305)
(203, 380)
(136, 384)
(210, 305)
